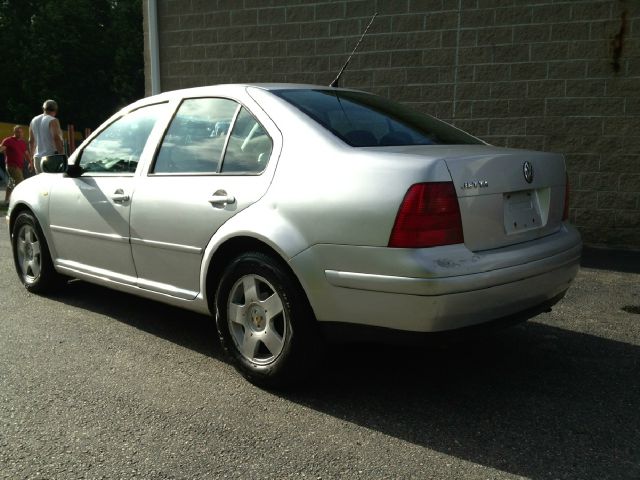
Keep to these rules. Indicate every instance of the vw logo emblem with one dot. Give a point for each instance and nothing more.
(527, 169)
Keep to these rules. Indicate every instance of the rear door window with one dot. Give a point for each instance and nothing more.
(196, 137)
(249, 146)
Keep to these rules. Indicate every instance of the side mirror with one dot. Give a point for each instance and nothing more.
(54, 163)
(74, 171)
(59, 163)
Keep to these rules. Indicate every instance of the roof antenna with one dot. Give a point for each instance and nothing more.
(344, 67)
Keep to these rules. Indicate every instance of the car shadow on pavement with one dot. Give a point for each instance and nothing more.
(182, 327)
(534, 400)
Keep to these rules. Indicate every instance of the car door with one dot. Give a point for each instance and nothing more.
(210, 165)
(90, 214)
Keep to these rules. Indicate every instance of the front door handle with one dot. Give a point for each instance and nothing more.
(220, 198)
(119, 196)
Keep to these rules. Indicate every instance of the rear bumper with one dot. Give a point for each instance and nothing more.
(479, 288)
(455, 284)
(349, 332)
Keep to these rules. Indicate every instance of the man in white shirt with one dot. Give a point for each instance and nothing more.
(45, 134)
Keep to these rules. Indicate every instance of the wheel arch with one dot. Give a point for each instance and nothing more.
(229, 250)
(17, 210)
(23, 207)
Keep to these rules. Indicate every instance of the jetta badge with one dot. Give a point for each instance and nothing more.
(475, 184)
(527, 169)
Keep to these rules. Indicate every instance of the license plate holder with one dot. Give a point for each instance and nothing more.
(521, 211)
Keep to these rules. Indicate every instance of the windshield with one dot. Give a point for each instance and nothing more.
(364, 120)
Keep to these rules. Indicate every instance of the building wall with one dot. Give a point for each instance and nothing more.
(544, 74)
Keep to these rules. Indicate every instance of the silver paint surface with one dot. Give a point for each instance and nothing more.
(327, 209)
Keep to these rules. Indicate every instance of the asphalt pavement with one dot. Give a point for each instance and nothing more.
(98, 384)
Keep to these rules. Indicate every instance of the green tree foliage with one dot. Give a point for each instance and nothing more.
(85, 54)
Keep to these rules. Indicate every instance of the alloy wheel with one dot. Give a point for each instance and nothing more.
(257, 320)
(29, 253)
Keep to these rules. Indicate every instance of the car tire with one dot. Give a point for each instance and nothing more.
(264, 321)
(31, 255)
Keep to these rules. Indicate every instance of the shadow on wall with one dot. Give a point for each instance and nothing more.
(608, 259)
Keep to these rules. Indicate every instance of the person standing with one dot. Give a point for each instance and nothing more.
(15, 153)
(4, 177)
(45, 134)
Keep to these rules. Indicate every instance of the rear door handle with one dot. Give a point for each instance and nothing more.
(119, 196)
(221, 198)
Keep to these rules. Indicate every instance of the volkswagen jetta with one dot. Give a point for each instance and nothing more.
(294, 213)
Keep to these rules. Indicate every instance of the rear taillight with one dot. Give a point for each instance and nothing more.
(565, 213)
(429, 216)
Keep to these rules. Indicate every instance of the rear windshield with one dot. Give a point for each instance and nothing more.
(366, 120)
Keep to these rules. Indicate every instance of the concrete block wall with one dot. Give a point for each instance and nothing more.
(557, 75)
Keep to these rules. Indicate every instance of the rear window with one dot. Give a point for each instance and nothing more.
(364, 120)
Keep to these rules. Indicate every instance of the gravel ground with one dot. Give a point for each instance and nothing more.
(98, 384)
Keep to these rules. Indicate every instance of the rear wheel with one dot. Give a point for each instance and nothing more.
(31, 255)
(264, 321)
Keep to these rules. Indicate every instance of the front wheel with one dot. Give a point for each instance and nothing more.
(31, 255)
(264, 321)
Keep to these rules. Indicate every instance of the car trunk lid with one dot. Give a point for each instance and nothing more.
(506, 196)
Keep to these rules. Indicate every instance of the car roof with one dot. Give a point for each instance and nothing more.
(295, 86)
(217, 88)
(234, 86)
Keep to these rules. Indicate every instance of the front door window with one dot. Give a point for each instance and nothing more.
(117, 148)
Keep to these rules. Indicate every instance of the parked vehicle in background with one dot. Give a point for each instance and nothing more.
(294, 213)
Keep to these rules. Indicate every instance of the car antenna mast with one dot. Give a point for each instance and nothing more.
(344, 67)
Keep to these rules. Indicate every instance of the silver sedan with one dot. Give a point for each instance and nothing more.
(297, 213)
